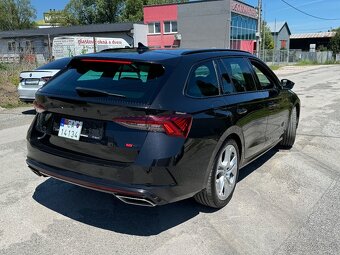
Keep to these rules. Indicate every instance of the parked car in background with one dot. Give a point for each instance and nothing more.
(31, 81)
(160, 126)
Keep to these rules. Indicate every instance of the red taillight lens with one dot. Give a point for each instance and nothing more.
(121, 62)
(174, 125)
(39, 108)
(46, 79)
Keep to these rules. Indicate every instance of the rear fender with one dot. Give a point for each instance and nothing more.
(234, 130)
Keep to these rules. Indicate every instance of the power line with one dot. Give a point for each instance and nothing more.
(313, 16)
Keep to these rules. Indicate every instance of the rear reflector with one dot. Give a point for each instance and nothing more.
(121, 62)
(173, 125)
(39, 108)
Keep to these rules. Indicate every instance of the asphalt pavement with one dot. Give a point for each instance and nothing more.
(286, 202)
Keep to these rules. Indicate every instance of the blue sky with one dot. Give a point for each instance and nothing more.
(273, 9)
(298, 22)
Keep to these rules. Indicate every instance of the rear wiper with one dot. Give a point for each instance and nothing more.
(87, 92)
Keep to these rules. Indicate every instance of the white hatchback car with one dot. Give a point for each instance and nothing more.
(31, 81)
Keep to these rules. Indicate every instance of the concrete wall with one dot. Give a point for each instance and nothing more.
(204, 24)
(38, 43)
(140, 32)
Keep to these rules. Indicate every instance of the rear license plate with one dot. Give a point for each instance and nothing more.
(32, 81)
(70, 129)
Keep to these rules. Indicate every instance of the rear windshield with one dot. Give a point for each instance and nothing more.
(57, 64)
(130, 80)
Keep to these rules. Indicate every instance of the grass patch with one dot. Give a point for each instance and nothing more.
(306, 63)
(9, 81)
(274, 67)
(3, 66)
(14, 105)
(309, 63)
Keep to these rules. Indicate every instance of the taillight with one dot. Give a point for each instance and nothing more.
(121, 62)
(174, 125)
(39, 108)
(46, 79)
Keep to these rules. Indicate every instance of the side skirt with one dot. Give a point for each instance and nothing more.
(260, 154)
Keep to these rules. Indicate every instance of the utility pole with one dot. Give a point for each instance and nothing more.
(259, 25)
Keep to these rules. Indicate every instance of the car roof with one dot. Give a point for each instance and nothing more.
(160, 55)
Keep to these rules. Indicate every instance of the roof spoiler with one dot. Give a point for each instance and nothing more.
(140, 49)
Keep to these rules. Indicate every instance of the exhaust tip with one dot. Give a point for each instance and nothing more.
(35, 171)
(136, 201)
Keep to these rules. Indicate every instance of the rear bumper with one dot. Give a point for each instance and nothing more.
(156, 185)
(139, 194)
(26, 94)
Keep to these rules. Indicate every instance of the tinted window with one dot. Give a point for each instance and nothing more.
(240, 74)
(226, 83)
(57, 64)
(203, 81)
(263, 78)
(132, 80)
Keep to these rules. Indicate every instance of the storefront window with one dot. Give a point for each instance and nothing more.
(243, 28)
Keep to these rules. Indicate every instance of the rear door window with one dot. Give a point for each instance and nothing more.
(132, 80)
(203, 81)
(226, 83)
(240, 74)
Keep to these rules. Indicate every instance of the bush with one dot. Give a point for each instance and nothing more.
(2, 66)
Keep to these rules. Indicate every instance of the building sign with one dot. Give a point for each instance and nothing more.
(244, 9)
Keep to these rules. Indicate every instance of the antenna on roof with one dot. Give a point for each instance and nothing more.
(142, 48)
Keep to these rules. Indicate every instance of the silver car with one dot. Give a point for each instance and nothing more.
(31, 81)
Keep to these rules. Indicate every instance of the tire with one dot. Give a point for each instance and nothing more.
(222, 177)
(290, 133)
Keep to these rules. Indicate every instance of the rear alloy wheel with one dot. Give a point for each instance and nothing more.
(289, 135)
(223, 177)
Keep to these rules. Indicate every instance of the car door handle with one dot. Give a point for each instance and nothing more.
(272, 105)
(241, 111)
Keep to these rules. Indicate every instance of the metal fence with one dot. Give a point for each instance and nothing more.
(39, 52)
(282, 57)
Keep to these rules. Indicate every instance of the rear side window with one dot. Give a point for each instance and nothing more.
(57, 64)
(203, 81)
(240, 74)
(131, 80)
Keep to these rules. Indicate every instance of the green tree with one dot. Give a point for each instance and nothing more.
(92, 11)
(267, 37)
(133, 10)
(16, 14)
(335, 42)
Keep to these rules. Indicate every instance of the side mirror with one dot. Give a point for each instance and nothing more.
(287, 84)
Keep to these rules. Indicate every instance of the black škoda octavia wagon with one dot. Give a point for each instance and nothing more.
(155, 127)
